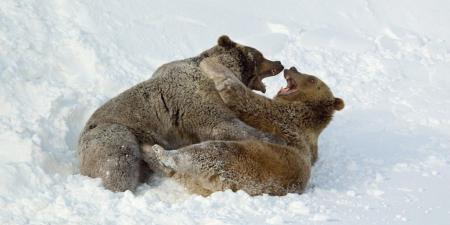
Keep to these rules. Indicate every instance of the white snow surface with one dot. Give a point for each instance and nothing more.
(384, 159)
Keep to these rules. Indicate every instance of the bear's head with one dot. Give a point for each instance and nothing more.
(313, 93)
(247, 63)
(307, 89)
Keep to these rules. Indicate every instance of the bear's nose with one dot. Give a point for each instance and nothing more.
(278, 65)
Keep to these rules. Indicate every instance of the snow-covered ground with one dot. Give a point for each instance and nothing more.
(385, 159)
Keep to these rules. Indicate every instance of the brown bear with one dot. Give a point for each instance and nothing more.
(177, 106)
(298, 114)
(305, 107)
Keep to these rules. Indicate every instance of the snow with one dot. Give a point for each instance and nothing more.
(385, 159)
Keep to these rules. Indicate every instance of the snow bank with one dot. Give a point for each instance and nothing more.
(385, 159)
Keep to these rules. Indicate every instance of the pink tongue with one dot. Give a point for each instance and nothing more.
(284, 90)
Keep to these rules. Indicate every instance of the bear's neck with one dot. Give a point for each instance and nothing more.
(316, 115)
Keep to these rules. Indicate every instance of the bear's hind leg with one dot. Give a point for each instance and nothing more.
(111, 152)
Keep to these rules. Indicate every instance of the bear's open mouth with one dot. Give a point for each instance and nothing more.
(291, 85)
(265, 69)
(256, 82)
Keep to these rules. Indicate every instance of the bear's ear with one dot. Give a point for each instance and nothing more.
(338, 104)
(225, 42)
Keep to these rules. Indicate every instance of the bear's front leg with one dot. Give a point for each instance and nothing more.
(230, 88)
(246, 104)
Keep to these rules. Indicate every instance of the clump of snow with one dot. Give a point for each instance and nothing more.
(385, 159)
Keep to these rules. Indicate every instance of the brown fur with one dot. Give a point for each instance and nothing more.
(178, 106)
(298, 116)
(254, 166)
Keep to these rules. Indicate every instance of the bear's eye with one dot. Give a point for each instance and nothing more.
(312, 80)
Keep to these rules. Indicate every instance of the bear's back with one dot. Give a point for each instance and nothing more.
(148, 107)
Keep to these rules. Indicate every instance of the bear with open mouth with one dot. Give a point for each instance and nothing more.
(178, 106)
(298, 114)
